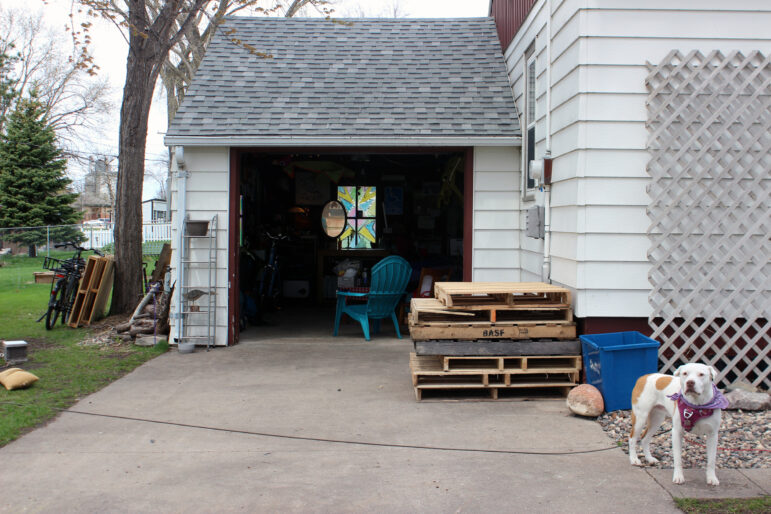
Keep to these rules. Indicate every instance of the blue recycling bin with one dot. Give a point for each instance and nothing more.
(613, 363)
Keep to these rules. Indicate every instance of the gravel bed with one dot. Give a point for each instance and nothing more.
(739, 429)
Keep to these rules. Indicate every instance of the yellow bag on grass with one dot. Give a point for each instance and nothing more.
(17, 379)
(8, 372)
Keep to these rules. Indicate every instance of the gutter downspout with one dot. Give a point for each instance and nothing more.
(182, 175)
(546, 267)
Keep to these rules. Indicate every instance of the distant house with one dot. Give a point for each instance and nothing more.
(97, 200)
(154, 211)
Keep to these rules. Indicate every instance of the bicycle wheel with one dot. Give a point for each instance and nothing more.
(71, 294)
(275, 289)
(264, 290)
(54, 306)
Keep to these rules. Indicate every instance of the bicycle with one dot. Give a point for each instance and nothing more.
(270, 278)
(64, 287)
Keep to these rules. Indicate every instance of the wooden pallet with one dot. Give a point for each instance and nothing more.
(558, 373)
(80, 298)
(513, 364)
(428, 310)
(528, 295)
(102, 291)
(496, 331)
(477, 348)
(93, 291)
(430, 319)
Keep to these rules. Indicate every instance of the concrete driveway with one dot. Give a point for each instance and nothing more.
(298, 384)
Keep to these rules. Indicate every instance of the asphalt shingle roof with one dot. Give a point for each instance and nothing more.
(390, 78)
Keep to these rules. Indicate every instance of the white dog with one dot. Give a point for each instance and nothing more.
(693, 402)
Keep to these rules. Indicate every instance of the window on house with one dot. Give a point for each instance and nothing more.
(360, 204)
(530, 96)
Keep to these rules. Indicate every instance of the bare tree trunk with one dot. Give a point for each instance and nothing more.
(141, 74)
(150, 39)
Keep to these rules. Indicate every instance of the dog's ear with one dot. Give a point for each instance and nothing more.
(677, 371)
(712, 373)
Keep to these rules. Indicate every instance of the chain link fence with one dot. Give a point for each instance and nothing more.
(100, 236)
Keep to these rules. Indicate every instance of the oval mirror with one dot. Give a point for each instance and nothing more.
(333, 218)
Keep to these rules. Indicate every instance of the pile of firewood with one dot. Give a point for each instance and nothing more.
(150, 317)
(152, 314)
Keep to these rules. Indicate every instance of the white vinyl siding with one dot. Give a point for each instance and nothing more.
(599, 50)
(207, 194)
(533, 30)
(496, 214)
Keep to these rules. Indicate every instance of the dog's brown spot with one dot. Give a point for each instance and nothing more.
(645, 430)
(647, 427)
(663, 382)
(638, 388)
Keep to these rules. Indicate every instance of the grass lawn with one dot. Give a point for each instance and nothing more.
(730, 505)
(67, 370)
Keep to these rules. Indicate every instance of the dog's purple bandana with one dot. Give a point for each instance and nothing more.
(690, 414)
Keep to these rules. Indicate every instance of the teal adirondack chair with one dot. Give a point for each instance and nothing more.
(387, 287)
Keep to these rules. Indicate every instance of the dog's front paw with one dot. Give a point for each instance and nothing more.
(712, 480)
(635, 461)
(652, 460)
(678, 477)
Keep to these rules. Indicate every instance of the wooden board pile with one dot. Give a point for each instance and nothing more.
(517, 337)
(93, 291)
(151, 315)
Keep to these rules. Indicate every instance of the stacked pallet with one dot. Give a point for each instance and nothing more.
(494, 336)
(493, 310)
(521, 374)
(93, 292)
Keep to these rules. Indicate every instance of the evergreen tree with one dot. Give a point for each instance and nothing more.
(32, 180)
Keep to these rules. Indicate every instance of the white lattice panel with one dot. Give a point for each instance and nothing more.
(709, 122)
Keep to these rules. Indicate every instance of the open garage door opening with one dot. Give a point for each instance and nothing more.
(287, 265)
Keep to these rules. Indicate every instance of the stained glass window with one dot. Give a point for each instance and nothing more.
(361, 212)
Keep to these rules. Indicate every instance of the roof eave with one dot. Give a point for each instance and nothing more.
(253, 141)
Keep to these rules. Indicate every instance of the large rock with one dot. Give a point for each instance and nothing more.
(585, 400)
(744, 400)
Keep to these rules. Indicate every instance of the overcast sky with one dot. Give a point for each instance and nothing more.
(109, 50)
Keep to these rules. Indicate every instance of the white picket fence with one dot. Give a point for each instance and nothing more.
(98, 236)
(102, 235)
